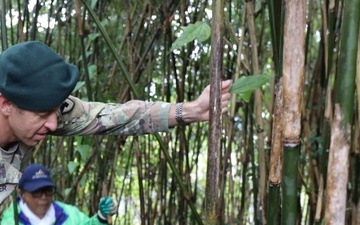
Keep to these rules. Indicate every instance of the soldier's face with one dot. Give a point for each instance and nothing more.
(31, 127)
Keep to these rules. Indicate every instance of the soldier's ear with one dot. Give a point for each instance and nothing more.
(5, 105)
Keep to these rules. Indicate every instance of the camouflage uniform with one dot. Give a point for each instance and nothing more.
(76, 117)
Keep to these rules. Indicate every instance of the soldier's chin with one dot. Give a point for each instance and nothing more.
(38, 138)
(33, 142)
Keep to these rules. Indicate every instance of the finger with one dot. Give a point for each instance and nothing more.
(226, 84)
(108, 200)
(113, 209)
(224, 104)
(102, 199)
(225, 97)
(224, 110)
(225, 90)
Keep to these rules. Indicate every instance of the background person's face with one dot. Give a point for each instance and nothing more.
(39, 201)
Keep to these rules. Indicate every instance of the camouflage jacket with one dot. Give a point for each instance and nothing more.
(76, 117)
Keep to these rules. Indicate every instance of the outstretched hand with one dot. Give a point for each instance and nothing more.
(199, 110)
(106, 208)
(203, 101)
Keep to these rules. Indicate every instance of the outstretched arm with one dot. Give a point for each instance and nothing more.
(134, 117)
(198, 110)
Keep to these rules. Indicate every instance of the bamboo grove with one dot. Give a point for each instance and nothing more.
(290, 155)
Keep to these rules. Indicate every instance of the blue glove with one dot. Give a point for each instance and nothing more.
(106, 208)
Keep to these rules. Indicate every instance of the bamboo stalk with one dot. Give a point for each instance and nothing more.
(216, 70)
(356, 194)
(338, 166)
(337, 171)
(3, 25)
(290, 185)
(276, 14)
(258, 114)
(276, 159)
(293, 76)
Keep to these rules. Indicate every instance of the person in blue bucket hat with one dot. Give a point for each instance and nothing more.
(36, 204)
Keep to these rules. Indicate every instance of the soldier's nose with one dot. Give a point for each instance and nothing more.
(51, 122)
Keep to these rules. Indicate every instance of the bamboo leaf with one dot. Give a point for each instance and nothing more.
(84, 151)
(200, 31)
(93, 4)
(245, 95)
(67, 191)
(93, 36)
(72, 166)
(83, 180)
(79, 85)
(245, 85)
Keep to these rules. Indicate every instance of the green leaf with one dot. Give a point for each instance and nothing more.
(245, 85)
(83, 180)
(72, 166)
(84, 151)
(79, 85)
(93, 4)
(93, 36)
(200, 31)
(246, 95)
(92, 71)
(67, 191)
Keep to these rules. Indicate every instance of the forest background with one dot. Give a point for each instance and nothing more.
(289, 153)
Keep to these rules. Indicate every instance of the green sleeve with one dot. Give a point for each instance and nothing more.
(77, 117)
(75, 216)
(95, 220)
(8, 216)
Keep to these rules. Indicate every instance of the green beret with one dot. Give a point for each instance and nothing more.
(34, 77)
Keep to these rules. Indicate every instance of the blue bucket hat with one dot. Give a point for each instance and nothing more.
(34, 77)
(35, 177)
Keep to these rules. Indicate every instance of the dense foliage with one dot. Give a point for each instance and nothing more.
(124, 51)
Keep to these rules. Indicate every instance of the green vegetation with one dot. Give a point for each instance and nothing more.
(295, 71)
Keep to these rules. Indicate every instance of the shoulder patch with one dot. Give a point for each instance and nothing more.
(67, 106)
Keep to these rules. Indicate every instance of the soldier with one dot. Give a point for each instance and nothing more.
(35, 101)
(36, 205)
